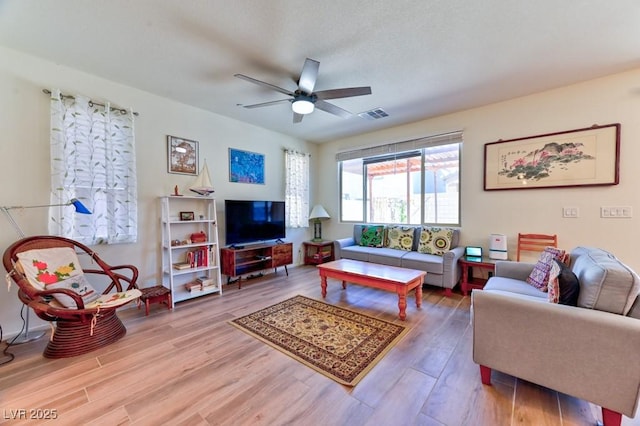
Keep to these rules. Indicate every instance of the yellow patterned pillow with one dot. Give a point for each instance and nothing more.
(400, 237)
(434, 240)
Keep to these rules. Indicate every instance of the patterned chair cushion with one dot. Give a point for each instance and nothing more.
(155, 291)
(57, 268)
(115, 299)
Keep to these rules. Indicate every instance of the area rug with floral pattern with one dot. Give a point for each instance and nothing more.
(341, 344)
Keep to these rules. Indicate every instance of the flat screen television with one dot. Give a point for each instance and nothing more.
(250, 221)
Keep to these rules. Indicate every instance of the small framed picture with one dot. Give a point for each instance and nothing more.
(182, 156)
(186, 216)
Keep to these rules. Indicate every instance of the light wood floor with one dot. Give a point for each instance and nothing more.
(189, 367)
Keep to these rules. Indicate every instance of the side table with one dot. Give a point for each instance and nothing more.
(467, 264)
(317, 252)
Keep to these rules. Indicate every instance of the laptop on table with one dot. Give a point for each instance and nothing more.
(473, 254)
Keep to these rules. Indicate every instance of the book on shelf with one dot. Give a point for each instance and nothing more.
(199, 258)
(205, 281)
(183, 265)
(193, 286)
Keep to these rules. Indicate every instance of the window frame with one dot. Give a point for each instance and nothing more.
(397, 151)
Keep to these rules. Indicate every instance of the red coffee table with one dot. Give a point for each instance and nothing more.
(390, 278)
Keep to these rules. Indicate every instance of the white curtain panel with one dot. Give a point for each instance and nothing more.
(93, 160)
(297, 189)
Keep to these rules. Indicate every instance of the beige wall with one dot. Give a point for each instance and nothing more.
(24, 152)
(614, 99)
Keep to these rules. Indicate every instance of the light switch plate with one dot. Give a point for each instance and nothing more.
(571, 212)
(616, 212)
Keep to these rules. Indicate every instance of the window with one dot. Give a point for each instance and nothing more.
(93, 160)
(414, 182)
(352, 190)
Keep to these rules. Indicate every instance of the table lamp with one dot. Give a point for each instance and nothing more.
(318, 213)
(80, 208)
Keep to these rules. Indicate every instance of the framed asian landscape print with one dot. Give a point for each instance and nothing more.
(246, 167)
(182, 156)
(581, 157)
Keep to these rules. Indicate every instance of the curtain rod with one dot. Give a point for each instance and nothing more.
(91, 103)
(295, 151)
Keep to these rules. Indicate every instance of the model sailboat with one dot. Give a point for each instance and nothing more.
(203, 185)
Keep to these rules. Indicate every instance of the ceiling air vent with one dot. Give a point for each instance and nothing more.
(374, 114)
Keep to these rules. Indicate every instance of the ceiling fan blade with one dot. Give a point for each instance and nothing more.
(343, 93)
(332, 109)
(297, 117)
(264, 104)
(308, 76)
(263, 84)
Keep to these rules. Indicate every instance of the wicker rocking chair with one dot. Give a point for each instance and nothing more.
(55, 288)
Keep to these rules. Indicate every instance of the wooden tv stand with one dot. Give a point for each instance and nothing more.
(254, 258)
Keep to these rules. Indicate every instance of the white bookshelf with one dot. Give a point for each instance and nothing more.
(176, 246)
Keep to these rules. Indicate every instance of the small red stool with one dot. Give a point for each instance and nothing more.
(155, 294)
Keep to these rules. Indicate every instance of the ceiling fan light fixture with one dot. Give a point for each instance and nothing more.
(302, 105)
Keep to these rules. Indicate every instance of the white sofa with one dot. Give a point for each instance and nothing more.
(590, 351)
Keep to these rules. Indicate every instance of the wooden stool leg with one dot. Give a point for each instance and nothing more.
(146, 307)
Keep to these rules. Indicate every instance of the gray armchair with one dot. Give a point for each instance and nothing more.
(586, 351)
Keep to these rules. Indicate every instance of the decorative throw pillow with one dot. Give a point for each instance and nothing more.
(564, 287)
(434, 240)
(400, 237)
(56, 268)
(372, 236)
(553, 288)
(539, 277)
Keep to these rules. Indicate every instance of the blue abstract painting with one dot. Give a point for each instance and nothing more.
(246, 167)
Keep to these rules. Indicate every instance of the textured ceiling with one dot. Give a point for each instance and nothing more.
(421, 58)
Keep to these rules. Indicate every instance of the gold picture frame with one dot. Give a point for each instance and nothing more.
(581, 157)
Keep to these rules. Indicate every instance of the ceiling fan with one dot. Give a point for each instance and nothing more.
(304, 100)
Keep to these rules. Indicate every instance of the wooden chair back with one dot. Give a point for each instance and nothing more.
(535, 242)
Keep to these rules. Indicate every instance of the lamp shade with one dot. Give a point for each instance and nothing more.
(318, 212)
(80, 208)
(77, 205)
